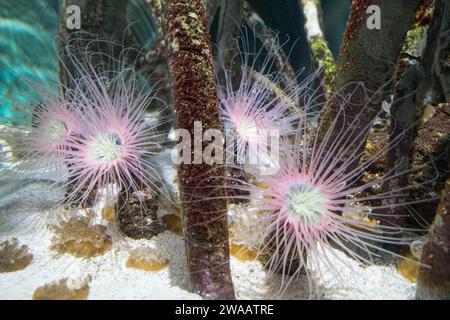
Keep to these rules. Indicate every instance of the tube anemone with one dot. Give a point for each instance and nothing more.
(41, 147)
(314, 202)
(263, 103)
(117, 144)
(55, 126)
(95, 134)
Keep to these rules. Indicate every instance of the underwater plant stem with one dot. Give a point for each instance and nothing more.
(230, 17)
(368, 57)
(433, 136)
(99, 18)
(443, 52)
(211, 9)
(229, 24)
(201, 185)
(434, 274)
(276, 90)
(403, 113)
(156, 7)
(321, 53)
(270, 41)
(422, 140)
(431, 153)
(429, 87)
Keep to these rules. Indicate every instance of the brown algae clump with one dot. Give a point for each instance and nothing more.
(14, 257)
(64, 289)
(78, 237)
(146, 259)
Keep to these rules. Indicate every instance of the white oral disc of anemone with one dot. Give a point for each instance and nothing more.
(107, 147)
(306, 203)
(57, 131)
(247, 128)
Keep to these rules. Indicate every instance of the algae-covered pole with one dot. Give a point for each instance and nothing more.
(156, 7)
(434, 274)
(195, 98)
(321, 54)
(373, 38)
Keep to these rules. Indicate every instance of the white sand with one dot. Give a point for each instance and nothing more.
(112, 280)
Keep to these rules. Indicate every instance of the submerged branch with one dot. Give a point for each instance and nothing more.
(366, 66)
(211, 10)
(442, 63)
(403, 112)
(271, 43)
(431, 145)
(228, 29)
(321, 54)
(229, 24)
(156, 8)
(104, 40)
(276, 90)
(434, 274)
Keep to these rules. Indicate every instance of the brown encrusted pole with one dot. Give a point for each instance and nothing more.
(434, 274)
(367, 56)
(195, 98)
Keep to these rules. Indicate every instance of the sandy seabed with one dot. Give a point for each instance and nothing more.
(111, 279)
